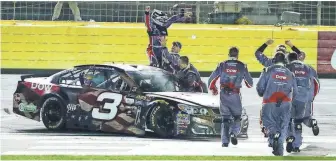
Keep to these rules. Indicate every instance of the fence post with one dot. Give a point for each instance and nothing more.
(319, 10)
(198, 10)
(14, 10)
(137, 11)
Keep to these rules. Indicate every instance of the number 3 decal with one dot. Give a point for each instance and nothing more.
(113, 107)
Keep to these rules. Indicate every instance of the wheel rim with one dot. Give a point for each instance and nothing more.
(166, 122)
(53, 113)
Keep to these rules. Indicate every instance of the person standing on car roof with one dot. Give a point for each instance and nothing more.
(276, 85)
(157, 24)
(231, 73)
(171, 60)
(301, 111)
(188, 76)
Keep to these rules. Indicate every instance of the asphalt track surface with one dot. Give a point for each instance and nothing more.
(23, 136)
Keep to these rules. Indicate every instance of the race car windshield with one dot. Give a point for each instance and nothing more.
(154, 81)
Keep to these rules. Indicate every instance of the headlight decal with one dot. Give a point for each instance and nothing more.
(201, 121)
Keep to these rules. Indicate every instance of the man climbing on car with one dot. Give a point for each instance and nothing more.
(188, 76)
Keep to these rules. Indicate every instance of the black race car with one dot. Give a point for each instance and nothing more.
(128, 99)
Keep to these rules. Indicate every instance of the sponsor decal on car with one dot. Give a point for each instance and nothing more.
(41, 87)
(182, 118)
(17, 97)
(72, 107)
(129, 101)
(25, 107)
(181, 131)
(143, 98)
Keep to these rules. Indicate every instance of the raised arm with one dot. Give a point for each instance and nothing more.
(294, 48)
(263, 59)
(147, 19)
(176, 18)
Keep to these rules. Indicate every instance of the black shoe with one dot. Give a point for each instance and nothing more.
(264, 132)
(275, 153)
(225, 145)
(289, 146)
(242, 135)
(233, 138)
(276, 141)
(315, 128)
(296, 149)
(270, 145)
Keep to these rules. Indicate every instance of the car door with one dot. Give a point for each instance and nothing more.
(105, 105)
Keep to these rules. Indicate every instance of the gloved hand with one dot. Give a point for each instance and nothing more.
(269, 42)
(147, 8)
(214, 91)
(289, 43)
(179, 75)
(182, 12)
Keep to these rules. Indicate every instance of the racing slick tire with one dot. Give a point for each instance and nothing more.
(162, 121)
(53, 114)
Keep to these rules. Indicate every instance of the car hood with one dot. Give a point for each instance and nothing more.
(201, 99)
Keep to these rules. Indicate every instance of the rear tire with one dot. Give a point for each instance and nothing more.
(162, 121)
(53, 114)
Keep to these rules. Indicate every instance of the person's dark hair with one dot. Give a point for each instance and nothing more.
(302, 56)
(279, 57)
(233, 52)
(292, 56)
(281, 48)
(184, 59)
(178, 44)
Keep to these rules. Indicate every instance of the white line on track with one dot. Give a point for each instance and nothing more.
(81, 147)
(325, 103)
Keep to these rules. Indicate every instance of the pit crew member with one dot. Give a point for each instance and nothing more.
(276, 85)
(265, 61)
(313, 91)
(188, 76)
(171, 60)
(157, 24)
(231, 73)
(301, 111)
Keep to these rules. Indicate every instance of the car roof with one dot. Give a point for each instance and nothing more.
(124, 67)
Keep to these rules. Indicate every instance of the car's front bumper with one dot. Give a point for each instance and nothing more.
(198, 126)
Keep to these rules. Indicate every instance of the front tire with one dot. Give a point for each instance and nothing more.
(53, 114)
(162, 121)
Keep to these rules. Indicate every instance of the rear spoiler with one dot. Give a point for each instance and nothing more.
(23, 77)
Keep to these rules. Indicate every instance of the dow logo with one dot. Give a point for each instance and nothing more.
(280, 76)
